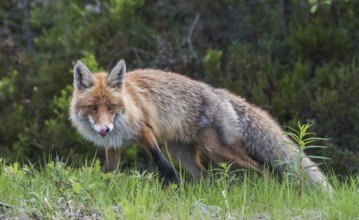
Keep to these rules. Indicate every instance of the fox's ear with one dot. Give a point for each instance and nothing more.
(83, 78)
(116, 77)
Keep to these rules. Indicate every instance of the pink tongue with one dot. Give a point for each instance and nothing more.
(103, 131)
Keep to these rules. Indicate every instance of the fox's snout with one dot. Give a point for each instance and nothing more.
(103, 130)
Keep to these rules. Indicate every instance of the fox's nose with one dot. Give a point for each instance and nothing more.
(104, 131)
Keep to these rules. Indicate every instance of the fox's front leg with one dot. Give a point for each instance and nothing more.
(113, 157)
(165, 169)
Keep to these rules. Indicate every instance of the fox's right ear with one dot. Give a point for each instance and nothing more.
(83, 78)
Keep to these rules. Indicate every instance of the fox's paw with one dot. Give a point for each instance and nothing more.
(173, 181)
(171, 177)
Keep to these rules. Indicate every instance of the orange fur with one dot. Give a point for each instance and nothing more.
(150, 105)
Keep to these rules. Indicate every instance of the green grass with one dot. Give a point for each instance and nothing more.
(62, 192)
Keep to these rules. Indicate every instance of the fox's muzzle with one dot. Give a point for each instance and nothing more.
(101, 129)
(104, 131)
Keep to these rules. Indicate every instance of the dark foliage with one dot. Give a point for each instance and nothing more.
(298, 65)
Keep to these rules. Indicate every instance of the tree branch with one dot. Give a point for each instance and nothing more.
(190, 33)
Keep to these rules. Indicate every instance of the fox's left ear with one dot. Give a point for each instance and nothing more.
(116, 77)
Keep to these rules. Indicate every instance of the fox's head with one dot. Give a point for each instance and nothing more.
(98, 98)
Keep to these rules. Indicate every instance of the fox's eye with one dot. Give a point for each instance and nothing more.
(93, 107)
(110, 107)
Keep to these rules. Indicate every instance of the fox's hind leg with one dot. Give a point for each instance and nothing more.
(218, 152)
(187, 156)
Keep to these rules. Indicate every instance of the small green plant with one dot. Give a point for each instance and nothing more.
(304, 139)
(224, 175)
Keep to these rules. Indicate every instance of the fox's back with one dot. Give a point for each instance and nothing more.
(174, 105)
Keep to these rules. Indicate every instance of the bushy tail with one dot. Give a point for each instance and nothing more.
(315, 175)
(265, 139)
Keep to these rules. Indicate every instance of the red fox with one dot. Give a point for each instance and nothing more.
(193, 118)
